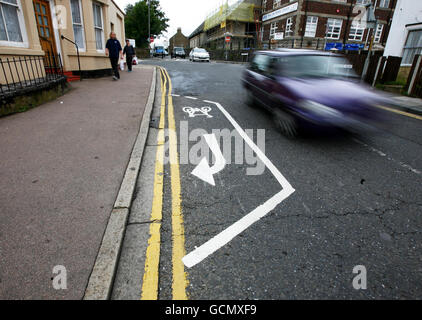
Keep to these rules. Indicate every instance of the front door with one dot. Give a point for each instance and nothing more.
(45, 26)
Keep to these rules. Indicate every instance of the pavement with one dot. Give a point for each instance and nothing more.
(61, 168)
(408, 104)
(356, 202)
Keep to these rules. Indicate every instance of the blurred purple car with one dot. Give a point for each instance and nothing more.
(305, 88)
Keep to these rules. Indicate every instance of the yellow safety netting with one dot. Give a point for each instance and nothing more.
(241, 10)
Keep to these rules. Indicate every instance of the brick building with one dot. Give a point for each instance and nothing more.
(314, 23)
(198, 37)
(178, 40)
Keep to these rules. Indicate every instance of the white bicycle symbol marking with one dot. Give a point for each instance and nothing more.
(194, 112)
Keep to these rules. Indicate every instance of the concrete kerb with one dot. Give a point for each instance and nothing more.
(410, 105)
(101, 279)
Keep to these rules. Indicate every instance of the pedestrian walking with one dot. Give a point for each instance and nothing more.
(114, 52)
(129, 51)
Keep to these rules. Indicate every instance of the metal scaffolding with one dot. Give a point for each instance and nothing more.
(239, 10)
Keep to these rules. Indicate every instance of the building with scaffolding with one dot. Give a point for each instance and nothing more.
(239, 20)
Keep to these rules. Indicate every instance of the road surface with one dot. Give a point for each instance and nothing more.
(316, 206)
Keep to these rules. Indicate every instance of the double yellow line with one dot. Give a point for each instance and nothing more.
(152, 262)
(403, 113)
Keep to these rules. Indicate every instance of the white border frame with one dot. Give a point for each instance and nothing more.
(55, 28)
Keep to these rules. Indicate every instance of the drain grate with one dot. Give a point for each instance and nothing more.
(154, 123)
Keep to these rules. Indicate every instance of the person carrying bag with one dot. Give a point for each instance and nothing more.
(129, 51)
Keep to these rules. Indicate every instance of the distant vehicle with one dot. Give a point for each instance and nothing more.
(178, 52)
(159, 51)
(199, 54)
(314, 89)
(132, 42)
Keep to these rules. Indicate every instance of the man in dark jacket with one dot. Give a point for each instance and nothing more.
(129, 51)
(114, 52)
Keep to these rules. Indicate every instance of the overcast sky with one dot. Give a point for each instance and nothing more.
(187, 14)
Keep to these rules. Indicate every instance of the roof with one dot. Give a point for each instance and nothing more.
(197, 30)
(179, 31)
(124, 14)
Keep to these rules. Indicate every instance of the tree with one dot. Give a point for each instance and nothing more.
(136, 21)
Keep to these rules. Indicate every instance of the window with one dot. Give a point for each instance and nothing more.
(363, 1)
(260, 63)
(10, 21)
(310, 66)
(277, 3)
(289, 24)
(78, 28)
(334, 28)
(356, 32)
(413, 46)
(264, 5)
(384, 4)
(273, 29)
(378, 33)
(98, 26)
(311, 26)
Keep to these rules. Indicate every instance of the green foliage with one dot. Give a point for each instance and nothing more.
(136, 21)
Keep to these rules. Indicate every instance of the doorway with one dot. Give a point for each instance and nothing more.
(45, 27)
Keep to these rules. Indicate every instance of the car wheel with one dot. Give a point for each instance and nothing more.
(286, 123)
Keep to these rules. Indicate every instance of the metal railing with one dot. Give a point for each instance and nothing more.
(77, 53)
(26, 73)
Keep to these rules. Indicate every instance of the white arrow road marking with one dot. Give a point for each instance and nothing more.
(203, 171)
(238, 227)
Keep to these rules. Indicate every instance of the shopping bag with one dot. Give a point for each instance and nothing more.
(135, 61)
(122, 65)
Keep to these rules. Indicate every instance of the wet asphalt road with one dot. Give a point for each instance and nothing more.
(358, 201)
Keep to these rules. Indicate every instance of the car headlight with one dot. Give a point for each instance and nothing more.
(319, 109)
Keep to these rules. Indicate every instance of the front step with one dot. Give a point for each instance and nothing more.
(71, 77)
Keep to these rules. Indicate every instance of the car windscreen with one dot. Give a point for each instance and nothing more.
(308, 66)
(200, 51)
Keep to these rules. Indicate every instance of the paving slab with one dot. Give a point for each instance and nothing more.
(61, 168)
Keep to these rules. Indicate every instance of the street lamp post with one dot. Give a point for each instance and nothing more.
(149, 26)
(149, 19)
(371, 23)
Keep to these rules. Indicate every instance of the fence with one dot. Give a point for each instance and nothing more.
(414, 82)
(391, 69)
(231, 55)
(19, 75)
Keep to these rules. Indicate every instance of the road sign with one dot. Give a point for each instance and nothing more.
(279, 36)
(228, 39)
